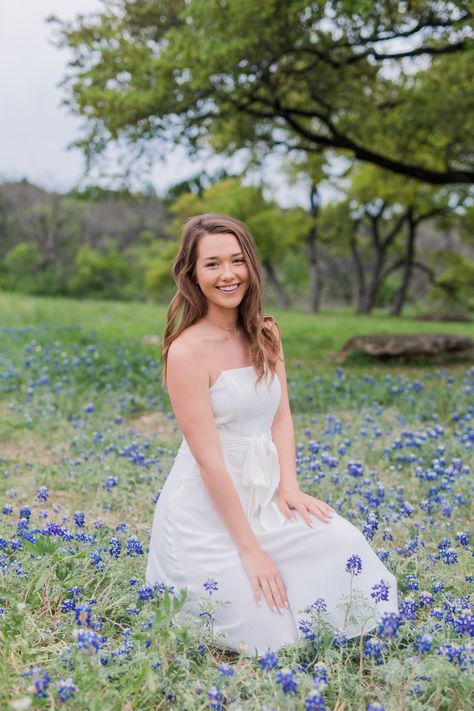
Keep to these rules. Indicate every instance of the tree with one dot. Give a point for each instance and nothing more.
(377, 209)
(379, 81)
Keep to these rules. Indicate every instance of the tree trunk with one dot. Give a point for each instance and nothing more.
(402, 293)
(314, 281)
(280, 291)
(360, 275)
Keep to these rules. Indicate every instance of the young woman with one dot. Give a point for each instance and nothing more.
(231, 508)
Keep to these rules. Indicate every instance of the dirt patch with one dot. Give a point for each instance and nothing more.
(154, 424)
(33, 450)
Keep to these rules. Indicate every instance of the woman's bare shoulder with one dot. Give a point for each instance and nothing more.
(189, 344)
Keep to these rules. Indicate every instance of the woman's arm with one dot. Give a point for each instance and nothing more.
(283, 431)
(188, 389)
(283, 434)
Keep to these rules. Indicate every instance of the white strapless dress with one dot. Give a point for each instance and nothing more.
(190, 542)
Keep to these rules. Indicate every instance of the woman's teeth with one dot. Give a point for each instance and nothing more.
(228, 289)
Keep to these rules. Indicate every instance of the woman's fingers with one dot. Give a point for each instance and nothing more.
(286, 511)
(323, 513)
(305, 514)
(274, 592)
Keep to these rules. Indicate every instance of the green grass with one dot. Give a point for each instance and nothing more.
(309, 340)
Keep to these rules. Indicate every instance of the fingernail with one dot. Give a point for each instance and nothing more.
(259, 603)
(274, 608)
(281, 610)
(286, 603)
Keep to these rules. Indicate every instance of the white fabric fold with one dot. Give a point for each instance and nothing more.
(260, 474)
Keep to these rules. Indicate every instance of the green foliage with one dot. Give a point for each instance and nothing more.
(98, 274)
(454, 288)
(264, 75)
(21, 264)
(274, 230)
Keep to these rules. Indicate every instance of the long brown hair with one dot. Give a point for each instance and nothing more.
(189, 304)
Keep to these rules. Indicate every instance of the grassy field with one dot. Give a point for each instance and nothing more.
(87, 437)
(309, 339)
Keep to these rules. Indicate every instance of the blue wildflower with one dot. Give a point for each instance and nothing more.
(65, 689)
(134, 547)
(210, 585)
(268, 661)
(287, 679)
(380, 591)
(354, 565)
(315, 701)
(225, 669)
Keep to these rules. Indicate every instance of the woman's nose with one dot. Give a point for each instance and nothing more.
(227, 271)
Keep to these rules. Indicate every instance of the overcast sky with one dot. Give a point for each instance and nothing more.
(35, 129)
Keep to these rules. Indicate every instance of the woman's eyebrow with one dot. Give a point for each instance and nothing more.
(232, 255)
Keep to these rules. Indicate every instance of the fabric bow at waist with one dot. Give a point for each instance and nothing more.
(260, 475)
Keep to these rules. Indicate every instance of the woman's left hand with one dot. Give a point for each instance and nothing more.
(294, 498)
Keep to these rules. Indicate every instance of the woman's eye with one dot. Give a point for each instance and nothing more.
(213, 264)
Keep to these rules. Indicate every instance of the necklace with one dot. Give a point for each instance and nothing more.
(223, 328)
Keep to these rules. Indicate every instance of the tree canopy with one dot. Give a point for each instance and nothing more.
(389, 83)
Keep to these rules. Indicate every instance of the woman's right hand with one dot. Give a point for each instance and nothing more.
(264, 577)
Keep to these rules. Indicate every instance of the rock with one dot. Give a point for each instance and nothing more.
(406, 346)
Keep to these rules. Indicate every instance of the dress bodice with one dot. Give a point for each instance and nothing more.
(242, 407)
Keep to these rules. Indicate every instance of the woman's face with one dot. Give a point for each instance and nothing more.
(221, 263)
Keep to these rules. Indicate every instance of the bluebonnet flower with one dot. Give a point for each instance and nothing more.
(375, 706)
(464, 623)
(315, 701)
(320, 675)
(355, 469)
(110, 483)
(438, 587)
(89, 408)
(411, 582)
(462, 537)
(88, 640)
(42, 493)
(96, 560)
(7, 509)
(79, 519)
(25, 512)
(65, 689)
(268, 661)
(121, 527)
(423, 643)
(425, 598)
(115, 547)
(306, 629)
(225, 669)
(408, 608)
(320, 605)
(380, 591)
(145, 592)
(83, 614)
(210, 585)
(449, 556)
(354, 564)
(287, 678)
(216, 697)
(389, 624)
(373, 647)
(371, 525)
(134, 547)
(40, 679)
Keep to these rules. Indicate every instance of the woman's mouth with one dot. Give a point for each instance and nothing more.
(228, 289)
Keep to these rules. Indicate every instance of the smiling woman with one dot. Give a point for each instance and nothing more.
(231, 506)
